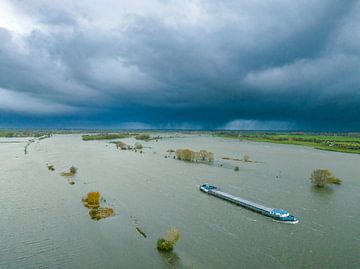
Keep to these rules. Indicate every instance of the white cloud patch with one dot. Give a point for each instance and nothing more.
(257, 125)
(24, 103)
(320, 74)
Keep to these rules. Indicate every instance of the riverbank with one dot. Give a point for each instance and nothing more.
(346, 143)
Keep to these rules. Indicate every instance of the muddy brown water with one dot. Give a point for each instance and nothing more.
(43, 223)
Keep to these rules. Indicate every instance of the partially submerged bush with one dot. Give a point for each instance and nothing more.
(193, 156)
(206, 156)
(142, 137)
(236, 168)
(247, 158)
(72, 172)
(51, 167)
(164, 245)
(167, 243)
(185, 155)
(101, 213)
(321, 177)
(96, 212)
(137, 145)
(92, 200)
(121, 145)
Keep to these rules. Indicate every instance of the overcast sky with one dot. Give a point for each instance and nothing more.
(180, 64)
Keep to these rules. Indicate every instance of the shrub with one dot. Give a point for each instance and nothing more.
(72, 172)
(247, 158)
(142, 137)
(51, 167)
(172, 235)
(164, 245)
(236, 168)
(137, 145)
(193, 156)
(185, 155)
(167, 243)
(101, 213)
(206, 156)
(321, 177)
(121, 145)
(92, 200)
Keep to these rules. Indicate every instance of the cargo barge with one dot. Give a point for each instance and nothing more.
(276, 214)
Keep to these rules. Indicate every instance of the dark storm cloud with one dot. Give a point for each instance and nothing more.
(182, 64)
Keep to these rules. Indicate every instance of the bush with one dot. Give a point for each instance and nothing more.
(206, 156)
(137, 145)
(185, 155)
(167, 243)
(121, 145)
(142, 137)
(321, 177)
(247, 158)
(73, 170)
(92, 200)
(51, 167)
(164, 245)
(193, 156)
(236, 168)
(101, 213)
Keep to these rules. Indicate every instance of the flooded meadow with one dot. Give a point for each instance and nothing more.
(147, 191)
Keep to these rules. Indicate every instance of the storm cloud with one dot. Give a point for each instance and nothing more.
(180, 64)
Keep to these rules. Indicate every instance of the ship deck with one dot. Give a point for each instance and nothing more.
(241, 201)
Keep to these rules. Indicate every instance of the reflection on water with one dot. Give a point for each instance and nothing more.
(171, 259)
(44, 225)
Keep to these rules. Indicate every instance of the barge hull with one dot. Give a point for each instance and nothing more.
(242, 202)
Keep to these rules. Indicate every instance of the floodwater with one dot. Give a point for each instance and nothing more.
(43, 223)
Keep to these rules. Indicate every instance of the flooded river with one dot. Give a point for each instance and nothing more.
(43, 223)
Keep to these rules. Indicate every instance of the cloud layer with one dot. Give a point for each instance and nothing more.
(199, 64)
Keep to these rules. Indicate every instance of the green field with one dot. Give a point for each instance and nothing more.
(105, 136)
(348, 142)
(9, 134)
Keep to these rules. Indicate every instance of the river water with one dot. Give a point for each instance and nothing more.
(43, 223)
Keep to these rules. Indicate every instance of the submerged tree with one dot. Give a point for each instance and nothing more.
(92, 200)
(121, 145)
(167, 243)
(247, 158)
(137, 145)
(193, 156)
(73, 170)
(321, 177)
(142, 137)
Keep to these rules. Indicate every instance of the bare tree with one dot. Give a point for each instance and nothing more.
(321, 177)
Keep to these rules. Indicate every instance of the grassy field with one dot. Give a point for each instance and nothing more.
(9, 134)
(104, 136)
(348, 142)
